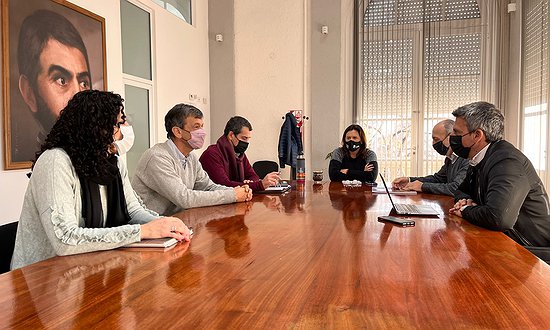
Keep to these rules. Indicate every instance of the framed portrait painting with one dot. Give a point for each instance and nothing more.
(51, 49)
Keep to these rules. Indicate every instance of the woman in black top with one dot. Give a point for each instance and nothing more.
(353, 160)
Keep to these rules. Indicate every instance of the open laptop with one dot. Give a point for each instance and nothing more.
(409, 209)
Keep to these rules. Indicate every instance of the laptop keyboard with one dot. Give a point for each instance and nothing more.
(407, 208)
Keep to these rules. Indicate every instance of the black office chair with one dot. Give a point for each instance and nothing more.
(7, 243)
(263, 167)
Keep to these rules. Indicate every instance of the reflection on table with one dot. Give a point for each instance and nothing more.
(316, 257)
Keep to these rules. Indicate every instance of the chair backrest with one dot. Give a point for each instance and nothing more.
(7, 243)
(262, 167)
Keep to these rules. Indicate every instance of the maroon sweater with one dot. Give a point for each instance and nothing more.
(224, 167)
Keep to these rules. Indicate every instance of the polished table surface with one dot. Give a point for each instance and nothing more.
(316, 257)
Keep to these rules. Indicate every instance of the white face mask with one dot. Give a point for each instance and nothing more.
(124, 145)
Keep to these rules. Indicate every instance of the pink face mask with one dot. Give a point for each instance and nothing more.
(197, 138)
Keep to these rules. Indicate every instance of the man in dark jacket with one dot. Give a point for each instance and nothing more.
(226, 162)
(501, 190)
(451, 174)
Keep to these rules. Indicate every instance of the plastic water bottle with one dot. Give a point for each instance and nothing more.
(300, 168)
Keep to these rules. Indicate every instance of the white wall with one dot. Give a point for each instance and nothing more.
(281, 61)
(222, 64)
(181, 58)
(182, 63)
(269, 68)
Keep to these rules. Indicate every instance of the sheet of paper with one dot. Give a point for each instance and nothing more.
(382, 190)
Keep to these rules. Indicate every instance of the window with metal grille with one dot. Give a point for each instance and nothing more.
(421, 59)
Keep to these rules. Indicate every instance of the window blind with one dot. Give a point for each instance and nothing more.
(535, 80)
(421, 59)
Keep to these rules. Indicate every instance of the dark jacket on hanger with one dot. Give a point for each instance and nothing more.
(290, 141)
(509, 194)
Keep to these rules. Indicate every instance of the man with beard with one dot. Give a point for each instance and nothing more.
(226, 162)
(53, 66)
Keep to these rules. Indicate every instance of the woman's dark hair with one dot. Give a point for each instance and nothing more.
(85, 131)
(363, 149)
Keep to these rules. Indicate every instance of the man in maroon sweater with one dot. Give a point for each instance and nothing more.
(226, 163)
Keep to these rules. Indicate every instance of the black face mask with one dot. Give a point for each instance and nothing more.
(353, 146)
(458, 148)
(440, 148)
(241, 147)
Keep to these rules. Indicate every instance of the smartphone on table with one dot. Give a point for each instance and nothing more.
(396, 220)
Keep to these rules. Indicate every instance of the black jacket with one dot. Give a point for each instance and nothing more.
(447, 180)
(510, 196)
(356, 167)
(290, 141)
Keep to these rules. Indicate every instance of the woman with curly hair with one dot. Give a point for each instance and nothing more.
(79, 198)
(353, 160)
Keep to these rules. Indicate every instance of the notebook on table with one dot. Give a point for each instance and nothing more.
(277, 189)
(409, 209)
(153, 243)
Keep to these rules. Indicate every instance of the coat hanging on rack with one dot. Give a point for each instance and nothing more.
(290, 141)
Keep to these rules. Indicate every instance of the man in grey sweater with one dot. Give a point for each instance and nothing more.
(169, 177)
(451, 174)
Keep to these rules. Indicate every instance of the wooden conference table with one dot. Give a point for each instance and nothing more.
(313, 258)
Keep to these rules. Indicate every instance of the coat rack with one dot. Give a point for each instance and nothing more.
(298, 114)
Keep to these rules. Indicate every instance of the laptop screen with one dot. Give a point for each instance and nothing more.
(387, 191)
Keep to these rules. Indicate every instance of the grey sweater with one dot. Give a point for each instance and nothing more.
(167, 187)
(51, 222)
(447, 179)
